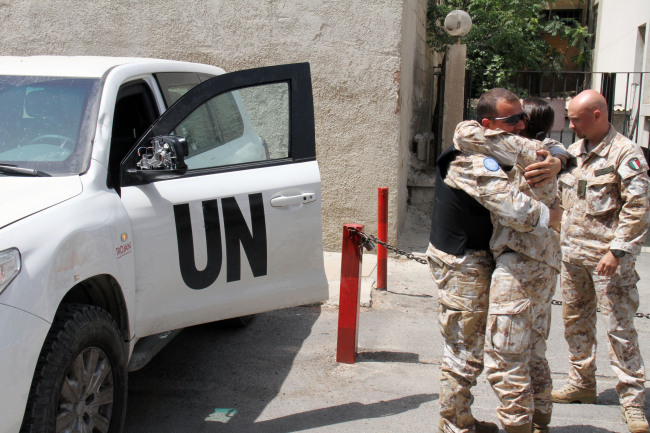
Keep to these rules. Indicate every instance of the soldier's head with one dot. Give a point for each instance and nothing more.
(539, 118)
(499, 108)
(588, 116)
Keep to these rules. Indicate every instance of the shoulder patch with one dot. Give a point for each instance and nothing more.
(634, 164)
(491, 164)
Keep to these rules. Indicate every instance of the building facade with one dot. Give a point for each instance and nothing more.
(622, 46)
(369, 60)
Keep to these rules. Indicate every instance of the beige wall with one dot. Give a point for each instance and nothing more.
(368, 60)
(416, 108)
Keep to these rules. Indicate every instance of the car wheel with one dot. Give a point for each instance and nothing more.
(80, 380)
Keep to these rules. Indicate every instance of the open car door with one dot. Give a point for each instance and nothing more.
(223, 192)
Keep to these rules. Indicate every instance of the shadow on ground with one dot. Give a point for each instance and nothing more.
(579, 429)
(219, 373)
(219, 378)
(340, 414)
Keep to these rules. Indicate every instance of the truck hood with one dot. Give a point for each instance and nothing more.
(23, 196)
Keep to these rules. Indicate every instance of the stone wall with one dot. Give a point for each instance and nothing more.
(368, 59)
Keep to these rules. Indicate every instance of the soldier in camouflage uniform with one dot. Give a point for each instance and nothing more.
(462, 265)
(523, 283)
(463, 283)
(603, 229)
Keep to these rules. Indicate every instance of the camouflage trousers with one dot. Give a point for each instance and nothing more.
(518, 325)
(583, 291)
(463, 286)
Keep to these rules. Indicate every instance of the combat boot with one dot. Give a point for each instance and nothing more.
(572, 394)
(541, 422)
(479, 427)
(635, 419)
(485, 427)
(524, 428)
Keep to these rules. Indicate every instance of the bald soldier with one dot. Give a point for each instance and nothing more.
(604, 225)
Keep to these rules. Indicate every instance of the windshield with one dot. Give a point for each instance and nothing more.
(44, 123)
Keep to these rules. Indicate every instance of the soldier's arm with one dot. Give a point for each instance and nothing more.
(542, 173)
(557, 149)
(558, 157)
(489, 185)
(513, 150)
(471, 138)
(634, 218)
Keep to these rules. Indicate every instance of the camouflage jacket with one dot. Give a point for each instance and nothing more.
(511, 210)
(605, 199)
(518, 152)
(513, 152)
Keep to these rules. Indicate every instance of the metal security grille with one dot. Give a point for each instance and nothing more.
(623, 91)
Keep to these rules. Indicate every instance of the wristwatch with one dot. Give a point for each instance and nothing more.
(618, 253)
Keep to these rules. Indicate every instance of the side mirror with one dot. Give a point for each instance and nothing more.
(166, 152)
(163, 157)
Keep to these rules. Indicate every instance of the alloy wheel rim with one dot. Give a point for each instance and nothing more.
(86, 397)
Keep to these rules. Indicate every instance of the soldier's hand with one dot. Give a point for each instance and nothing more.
(540, 173)
(607, 265)
(555, 215)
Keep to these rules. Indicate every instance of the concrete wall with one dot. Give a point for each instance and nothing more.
(368, 61)
(415, 117)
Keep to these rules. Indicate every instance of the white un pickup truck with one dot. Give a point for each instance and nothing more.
(139, 197)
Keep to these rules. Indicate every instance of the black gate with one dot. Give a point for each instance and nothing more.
(622, 90)
(438, 112)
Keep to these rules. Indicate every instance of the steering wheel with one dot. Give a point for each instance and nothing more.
(64, 140)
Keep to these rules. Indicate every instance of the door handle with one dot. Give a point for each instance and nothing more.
(284, 200)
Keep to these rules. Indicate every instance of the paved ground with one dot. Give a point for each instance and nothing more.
(280, 373)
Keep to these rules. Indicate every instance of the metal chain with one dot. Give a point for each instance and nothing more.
(639, 315)
(369, 242)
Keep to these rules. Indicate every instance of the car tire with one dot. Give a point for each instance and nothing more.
(80, 380)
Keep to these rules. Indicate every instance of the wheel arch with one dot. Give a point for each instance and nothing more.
(105, 292)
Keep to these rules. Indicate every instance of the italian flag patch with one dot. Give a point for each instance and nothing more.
(634, 164)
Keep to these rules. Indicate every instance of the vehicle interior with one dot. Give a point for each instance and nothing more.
(135, 111)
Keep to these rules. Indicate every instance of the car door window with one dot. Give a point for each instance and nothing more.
(242, 126)
(198, 129)
(236, 121)
(268, 111)
(175, 84)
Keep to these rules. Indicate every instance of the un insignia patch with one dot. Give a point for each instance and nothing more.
(491, 164)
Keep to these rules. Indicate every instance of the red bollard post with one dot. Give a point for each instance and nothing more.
(349, 301)
(382, 235)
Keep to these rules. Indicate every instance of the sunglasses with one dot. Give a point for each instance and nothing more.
(510, 120)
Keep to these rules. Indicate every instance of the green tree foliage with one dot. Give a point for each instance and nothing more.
(507, 35)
